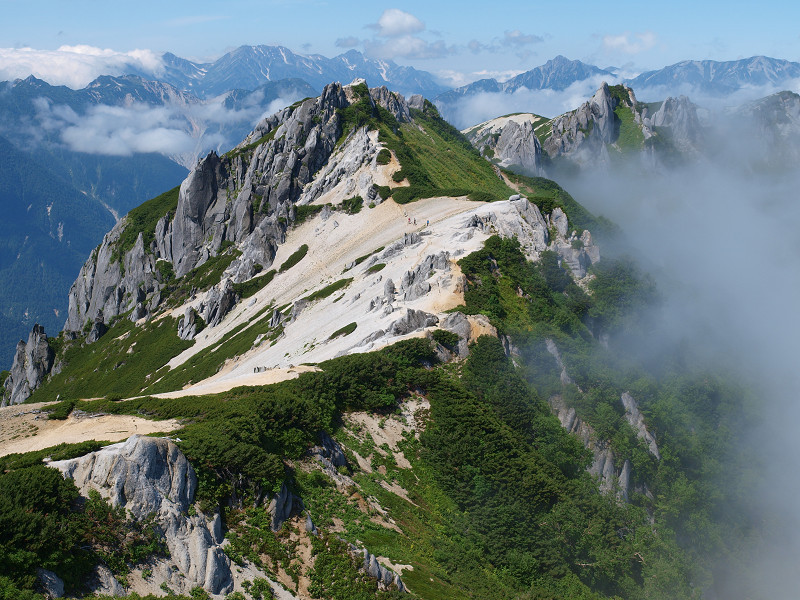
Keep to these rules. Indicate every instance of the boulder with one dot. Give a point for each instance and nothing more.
(52, 584)
(413, 320)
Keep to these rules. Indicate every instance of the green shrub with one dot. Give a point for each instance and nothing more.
(351, 206)
(61, 411)
(376, 267)
(384, 157)
(346, 330)
(384, 191)
(295, 258)
(448, 339)
(328, 289)
(250, 287)
(304, 212)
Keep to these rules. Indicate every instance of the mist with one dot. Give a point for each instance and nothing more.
(723, 245)
(471, 110)
(182, 132)
(478, 108)
(76, 66)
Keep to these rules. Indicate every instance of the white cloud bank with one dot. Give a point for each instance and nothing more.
(178, 131)
(75, 66)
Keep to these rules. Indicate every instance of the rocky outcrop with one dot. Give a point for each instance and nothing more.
(553, 350)
(414, 283)
(578, 252)
(518, 146)
(385, 577)
(636, 420)
(510, 142)
(107, 287)
(151, 476)
(32, 363)
(530, 228)
(584, 132)
(611, 476)
(97, 331)
(413, 320)
(328, 452)
(584, 136)
(187, 325)
(218, 303)
(605, 464)
(52, 584)
(282, 506)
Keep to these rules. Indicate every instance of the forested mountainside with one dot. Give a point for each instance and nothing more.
(386, 368)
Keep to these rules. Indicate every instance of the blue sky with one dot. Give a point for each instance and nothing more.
(459, 41)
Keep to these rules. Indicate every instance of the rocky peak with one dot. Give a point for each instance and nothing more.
(32, 362)
(245, 197)
(510, 141)
(679, 117)
(584, 132)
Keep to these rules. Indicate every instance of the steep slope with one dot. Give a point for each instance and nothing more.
(383, 387)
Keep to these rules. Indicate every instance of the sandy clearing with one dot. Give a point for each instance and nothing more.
(216, 385)
(455, 226)
(336, 243)
(22, 430)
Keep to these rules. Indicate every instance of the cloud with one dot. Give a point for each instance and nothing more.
(708, 100)
(395, 22)
(394, 38)
(517, 38)
(182, 132)
(476, 47)
(630, 43)
(75, 66)
(348, 42)
(456, 79)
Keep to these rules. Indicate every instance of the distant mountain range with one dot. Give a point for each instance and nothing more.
(719, 78)
(556, 74)
(247, 67)
(706, 77)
